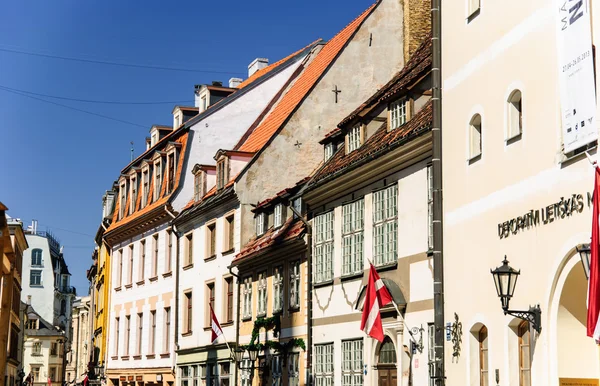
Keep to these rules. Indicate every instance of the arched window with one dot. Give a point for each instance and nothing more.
(524, 354)
(63, 307)
(475, 138)
(36, 257)
(387, 352)
(482, 339)
(515, 114)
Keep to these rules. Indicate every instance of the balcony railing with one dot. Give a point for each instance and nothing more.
(67, 290)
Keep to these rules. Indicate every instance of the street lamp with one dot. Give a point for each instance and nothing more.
(252, 352)
(584, 254)
(505, 279)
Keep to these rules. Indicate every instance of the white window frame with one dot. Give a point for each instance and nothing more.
(329, 150)
(152, 338)
(472, 7)
(158, 176)
(260, 224)
(278, 289)
(198, 182)
(295, 284)
(245, 372)
(352, 362)
(276, 370)
(324, 365)
(293, 369)
(399, 113)
(514, 115)
(353, 237)
(35, 273)
(475, 137)
(278, 215)
(261, 287)
(385, 225)
(247, 296)
(133, 192)
(122, 198)
(37, 252)
(354, 138)
(172, 152)
(323, 247)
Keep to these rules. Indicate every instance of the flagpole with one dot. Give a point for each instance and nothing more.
(220, 328)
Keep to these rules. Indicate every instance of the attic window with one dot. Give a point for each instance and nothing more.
(122, 198)
(261, 224)
(171, 172)
(157, 178)
(279, 215)
(354, 138)
(133, 189)
(329, 150)
(199, 185)
(398, 113)
(145, 185)
(222, 172)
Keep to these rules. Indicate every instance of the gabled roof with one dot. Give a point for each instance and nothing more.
(303, 85)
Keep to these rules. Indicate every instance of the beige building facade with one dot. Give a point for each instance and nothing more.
(510, 190)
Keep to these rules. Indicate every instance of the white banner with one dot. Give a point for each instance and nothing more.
(576, 74)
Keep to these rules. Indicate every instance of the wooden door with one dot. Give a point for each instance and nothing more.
(388, 376)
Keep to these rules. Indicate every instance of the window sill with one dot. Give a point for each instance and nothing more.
(128, 285)
(513, 139)
(577, 154)
(125, 358)
(207, 328)
(141, 282)
(150, 356)
(191, 265)
(278, 312)
(210, 258)
(115, 357)
(473, 15)
(474, 159)
(167, 274)
(352, 276)
(227, 324)
(189, 333)
(117, 289)
(137, 356)
(294, 309)
(165, 355)
(323, 283)
(36, 285)
(227, 252)
(153, 278)
(387, 267)
(261, 315)
(246, 318)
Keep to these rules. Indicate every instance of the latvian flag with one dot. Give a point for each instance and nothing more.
(216, 327)
(593, 327)
(376, 297)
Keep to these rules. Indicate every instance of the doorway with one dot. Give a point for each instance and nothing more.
(386, 366)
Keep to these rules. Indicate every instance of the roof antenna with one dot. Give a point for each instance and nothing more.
(131, 150)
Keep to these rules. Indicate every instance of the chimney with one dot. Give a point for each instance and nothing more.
(217, 83)
(257, 64)
(235, 82)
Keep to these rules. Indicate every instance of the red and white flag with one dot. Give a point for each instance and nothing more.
(376, 297)
(216, 327)
(593, 327)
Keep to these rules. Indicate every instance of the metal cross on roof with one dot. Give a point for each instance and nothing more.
(336, 91)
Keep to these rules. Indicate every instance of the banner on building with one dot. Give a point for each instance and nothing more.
(576, 74)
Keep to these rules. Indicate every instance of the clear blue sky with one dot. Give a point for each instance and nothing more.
(56, 163)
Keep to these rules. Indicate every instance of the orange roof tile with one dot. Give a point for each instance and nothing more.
(302, 86)
(273, 66)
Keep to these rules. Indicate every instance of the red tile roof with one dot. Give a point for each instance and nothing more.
(305, 82)
(292, 229)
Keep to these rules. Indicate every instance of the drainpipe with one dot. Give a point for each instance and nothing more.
(237, 322)
(438, 256)
(309, 289)
(176, 313)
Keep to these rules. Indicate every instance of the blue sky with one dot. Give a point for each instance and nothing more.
(56, 162)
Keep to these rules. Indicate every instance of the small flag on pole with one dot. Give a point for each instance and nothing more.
(216, 327)
(376, 296)
(593, 327)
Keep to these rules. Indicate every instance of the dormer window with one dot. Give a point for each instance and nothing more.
(398, 113)
(199, 183)
(122, 199)
(222, 172)
(279, 215)
(145, 185)
(329, 150)
(176, 122)
(297, 205)
(157, 177)
(261, 224)
(354, 138)
(171, 169)
(133, 191)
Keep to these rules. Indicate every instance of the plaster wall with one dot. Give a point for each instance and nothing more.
(359, 71)
(497, 51)
(44, 360)
(42, 297)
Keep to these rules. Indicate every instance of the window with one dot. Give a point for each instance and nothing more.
(176, 122)
(260, 224)
(430, 207)
(387, 351)
(431, 353)
(279, 215)
(385, 225)
(354, 138)
(117, 325)
(140, 332)
(352, 362)
(152, 338)
(127, 334)
(198, 183)
(524, 354)
(133, 191)
(229, 299)
(475, 138)
(262, 293)
(167, 330)
(142, 259)
(295, 284)
(482, 338)
(169, 251)
(123, 197)
(324, 364)
(247, 294)
(352, 237)
(297, 205)
(229, 233)
(329, 150)
(130, 264)
(188, 313)
(120, 272)
(35, 373)
(224, 374)
(171, 172)
(211, 240)
(52, 374)
(145, 186)
(276, 369)
(293, 369)
(398, 113)
(515, 115)
(204, 103)
(189, 241)
(324, 247)
(187, 375)
(277, 289)
(157, 179)
(473, 10)
(53, 349)
(37, 348)
(245, 374)
(36, 258)
(63, 307)
(210, 303)
(154, 255)
(35, 278)
(222, 172)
